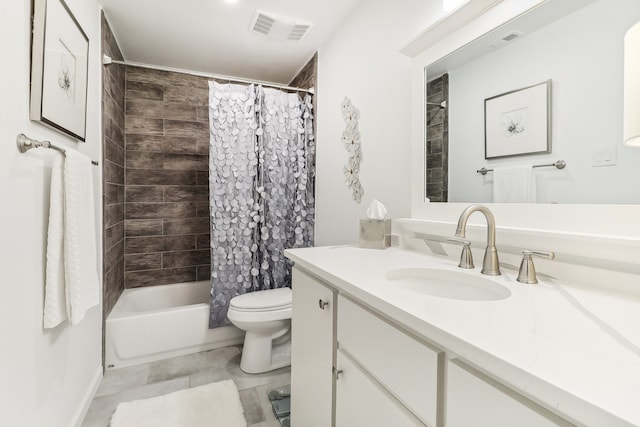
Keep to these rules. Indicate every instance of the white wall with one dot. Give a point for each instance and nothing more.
(46, 377)
(362, 61)
(583, 55)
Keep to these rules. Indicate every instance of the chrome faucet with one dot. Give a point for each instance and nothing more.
(490, 264)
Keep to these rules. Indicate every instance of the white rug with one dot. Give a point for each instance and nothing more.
(211, 405)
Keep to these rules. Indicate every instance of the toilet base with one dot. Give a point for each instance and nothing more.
(261, 353)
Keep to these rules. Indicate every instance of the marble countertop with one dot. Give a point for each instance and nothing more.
(572, 349)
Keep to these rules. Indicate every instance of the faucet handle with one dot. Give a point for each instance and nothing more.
(466, 259)
(527, 273)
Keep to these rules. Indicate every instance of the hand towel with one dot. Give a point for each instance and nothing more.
(514, 184)
(80, 259)
(55, 303)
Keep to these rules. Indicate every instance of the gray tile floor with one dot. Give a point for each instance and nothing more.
(165, 376)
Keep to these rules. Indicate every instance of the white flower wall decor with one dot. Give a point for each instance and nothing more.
(351, 141)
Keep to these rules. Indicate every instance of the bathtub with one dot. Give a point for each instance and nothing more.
(159, 322)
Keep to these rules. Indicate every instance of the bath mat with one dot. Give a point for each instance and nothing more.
(211, 405)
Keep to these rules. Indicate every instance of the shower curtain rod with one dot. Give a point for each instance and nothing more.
(107, 60)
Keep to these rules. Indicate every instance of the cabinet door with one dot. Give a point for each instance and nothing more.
(312, 352)
(361, 402)
(475, 400)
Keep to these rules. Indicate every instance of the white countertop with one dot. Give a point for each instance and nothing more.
(573, 350)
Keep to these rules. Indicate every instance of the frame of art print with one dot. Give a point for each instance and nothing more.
(518, 123)
(59, 69)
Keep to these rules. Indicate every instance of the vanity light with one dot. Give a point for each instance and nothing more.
(631, 130)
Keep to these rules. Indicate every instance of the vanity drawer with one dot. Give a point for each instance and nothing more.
(362, 402)
(406, 367)
(473, 399)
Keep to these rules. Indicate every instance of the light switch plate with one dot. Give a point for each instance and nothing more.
(604, 156)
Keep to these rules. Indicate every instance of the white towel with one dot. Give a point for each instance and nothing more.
(80, 259)
(514, 184)
(72, 285)
(55, 303)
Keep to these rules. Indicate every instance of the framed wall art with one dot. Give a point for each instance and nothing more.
(59, 69)
(517, 123)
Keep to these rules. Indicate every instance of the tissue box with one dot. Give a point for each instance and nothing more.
(375, 233)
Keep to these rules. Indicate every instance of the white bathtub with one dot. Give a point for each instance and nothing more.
(159, 322)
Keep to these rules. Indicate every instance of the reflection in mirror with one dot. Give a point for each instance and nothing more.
(578, 45)
(631, 132)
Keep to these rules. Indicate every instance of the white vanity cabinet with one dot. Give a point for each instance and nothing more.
(446, 362)
(353, 366)
(312, 351)
(473, 399)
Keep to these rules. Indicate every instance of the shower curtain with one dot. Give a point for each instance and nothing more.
(261, 186)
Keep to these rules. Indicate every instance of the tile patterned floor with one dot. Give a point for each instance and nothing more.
(165, 376)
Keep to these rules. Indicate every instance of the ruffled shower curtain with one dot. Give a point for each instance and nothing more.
(261, 182)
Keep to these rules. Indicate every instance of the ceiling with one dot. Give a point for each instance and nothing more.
(214, 36)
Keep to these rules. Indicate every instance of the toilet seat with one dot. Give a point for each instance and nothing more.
(261, 301)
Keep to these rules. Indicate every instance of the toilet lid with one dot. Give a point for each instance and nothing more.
(270, 299)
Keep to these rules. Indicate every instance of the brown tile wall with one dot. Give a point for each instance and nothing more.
(113, 171)
(308, 76)
(437, 151)
(166, 178)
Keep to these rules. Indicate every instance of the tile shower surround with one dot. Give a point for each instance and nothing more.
(307, 78)
(166, 187)
(156, 134)
(308, 75)
(437, 151)
(113, 171)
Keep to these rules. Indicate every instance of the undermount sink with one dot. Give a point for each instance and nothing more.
(448, 284)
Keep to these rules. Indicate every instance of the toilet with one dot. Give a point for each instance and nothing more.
(265, 316)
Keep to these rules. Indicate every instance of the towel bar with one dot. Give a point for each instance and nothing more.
(25, 144)
(560, 164)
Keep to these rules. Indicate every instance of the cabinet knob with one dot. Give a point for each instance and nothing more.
(338, 372)
(322, 304)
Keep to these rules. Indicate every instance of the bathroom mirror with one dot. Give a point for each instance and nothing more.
(578, 46)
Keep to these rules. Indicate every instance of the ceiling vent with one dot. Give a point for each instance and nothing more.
(503, 41)
(277, 27)
(511, 36)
